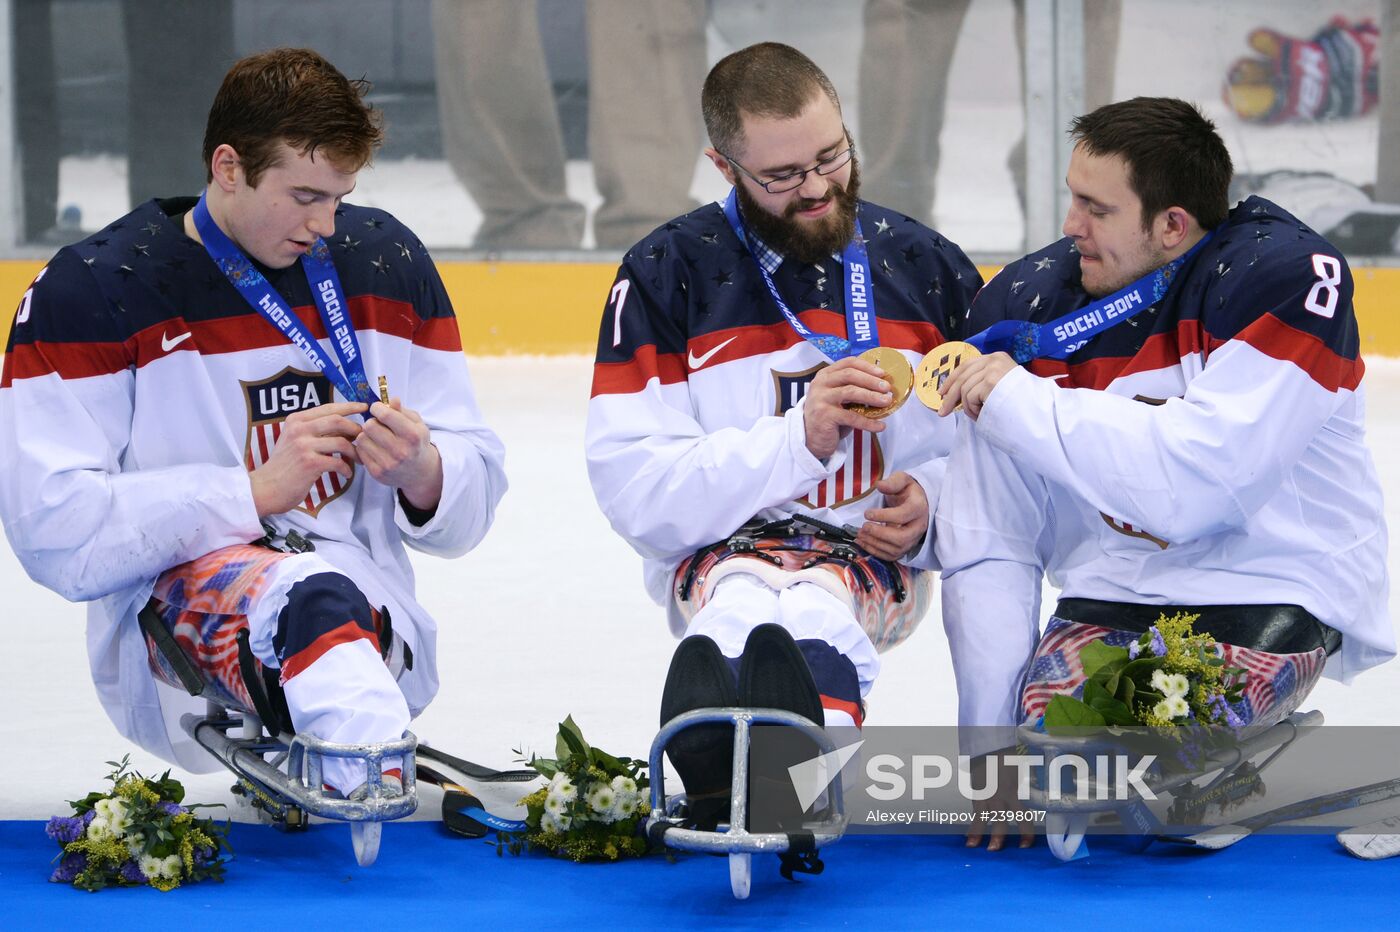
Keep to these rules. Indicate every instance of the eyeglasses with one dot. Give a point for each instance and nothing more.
(794, 180)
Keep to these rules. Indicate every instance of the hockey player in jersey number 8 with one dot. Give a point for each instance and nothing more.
(1206, 454)
(719, 420)
(157, 428)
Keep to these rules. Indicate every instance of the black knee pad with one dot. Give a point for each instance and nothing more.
(316, 606)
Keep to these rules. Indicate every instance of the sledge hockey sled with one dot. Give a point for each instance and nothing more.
(1231, 769)
(670, 825)
(280, 775)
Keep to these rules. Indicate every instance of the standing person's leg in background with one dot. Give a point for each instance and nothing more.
(904, 63)
(646, 63)
(177, 54)
(500, 129)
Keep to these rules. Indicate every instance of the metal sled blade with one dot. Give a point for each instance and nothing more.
(1225, 835)
(1374, 841)
(1222, 836)
(477, 772)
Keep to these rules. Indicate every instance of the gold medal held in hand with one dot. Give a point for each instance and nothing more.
(898, 373)
(384, 389)
(941, 362)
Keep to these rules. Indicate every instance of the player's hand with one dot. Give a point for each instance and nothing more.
(314, 441)
(973, 382)
(892, 531)
(825, 415)
(1005, 799)
(397, 449)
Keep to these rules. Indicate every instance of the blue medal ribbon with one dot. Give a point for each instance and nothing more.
(862, 331)
(1025, 340)
(352, 383)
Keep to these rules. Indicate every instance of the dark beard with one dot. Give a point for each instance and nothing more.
(806, 242)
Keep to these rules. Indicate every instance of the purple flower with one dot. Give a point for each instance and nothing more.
(89, 816)
(1159, 647)
(71, 866)
(1133, 650)
(1231, 718)
(203, 857)
(131, 872)
(63, 830)
(170, 808)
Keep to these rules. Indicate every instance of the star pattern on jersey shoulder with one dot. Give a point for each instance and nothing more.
(882, 226)
(404, 251)
(380, 265)
(347, 244)
(1043, 263)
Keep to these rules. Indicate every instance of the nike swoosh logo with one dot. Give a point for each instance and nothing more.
(697, 362)
(168, 344)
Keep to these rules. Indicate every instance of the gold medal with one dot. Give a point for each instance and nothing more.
(384, 389)
(898, 373)
(941, 362)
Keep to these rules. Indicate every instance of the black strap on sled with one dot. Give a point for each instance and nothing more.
(263, 687)
(170, 649)
(801, 856)
(844, 551)
(1278, 629)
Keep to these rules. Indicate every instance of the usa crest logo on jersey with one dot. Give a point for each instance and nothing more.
(269, 403)
(865, 464)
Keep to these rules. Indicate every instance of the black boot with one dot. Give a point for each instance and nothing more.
(703, 755)
(773, 674)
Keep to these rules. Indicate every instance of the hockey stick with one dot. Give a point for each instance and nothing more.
(1374, 841)
(462, 812)
(476, 772)
(1223, 836)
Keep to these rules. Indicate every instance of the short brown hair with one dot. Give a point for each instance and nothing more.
(1174, 155)
(767, 80)
(293, 96)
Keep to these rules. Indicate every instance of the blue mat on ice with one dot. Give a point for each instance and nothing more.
(426, 879)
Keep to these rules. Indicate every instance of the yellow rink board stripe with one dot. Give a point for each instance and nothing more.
(549, 308)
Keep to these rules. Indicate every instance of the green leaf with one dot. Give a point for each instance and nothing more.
(607, 763)
(1096, 654)
(1068, 712)
(570, 743)
(1101, 701)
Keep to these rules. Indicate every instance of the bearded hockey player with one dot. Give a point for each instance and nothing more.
(780, 525)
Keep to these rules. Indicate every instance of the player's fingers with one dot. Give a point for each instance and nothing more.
(998, 838)
(902, 511)
(331, 409)
(974, 838)
(847, 417)
(894, 484)
(882, 542)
